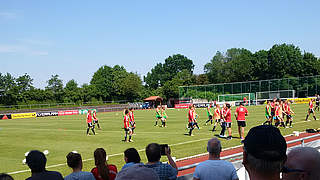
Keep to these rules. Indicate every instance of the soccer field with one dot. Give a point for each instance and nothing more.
(62, 134)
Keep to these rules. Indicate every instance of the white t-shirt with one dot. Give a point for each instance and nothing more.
(215, 169)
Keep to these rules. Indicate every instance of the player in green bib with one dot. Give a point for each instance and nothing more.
(164, 117)
(209, 114)
(268, 114)
(158, 114)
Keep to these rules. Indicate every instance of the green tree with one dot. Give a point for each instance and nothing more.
(24, 83)
(55, 86)
(162, 73)
(102, 81)
(132, 87)
(284, 60)
(72, 92)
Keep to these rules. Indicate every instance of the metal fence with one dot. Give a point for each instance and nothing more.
(303, 87)
(232, 157)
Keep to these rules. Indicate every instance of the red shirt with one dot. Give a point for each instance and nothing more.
(227, 115)
(190, 116)
(241, 111)
(244, 98)
(131, 116)
(217, 113)
(94, 116)
(288, 110)
(126, 122)
(89, 118)
(112, 172)
(277, 110)
(272, 104)
(310, 104)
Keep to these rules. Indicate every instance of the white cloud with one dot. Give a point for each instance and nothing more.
(17, 49)
(8, 15)
(35, 42)
(10, 48)
(39, 53)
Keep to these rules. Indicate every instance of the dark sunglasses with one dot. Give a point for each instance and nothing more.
(289, 170)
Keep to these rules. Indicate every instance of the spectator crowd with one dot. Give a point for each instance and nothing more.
(265, 157)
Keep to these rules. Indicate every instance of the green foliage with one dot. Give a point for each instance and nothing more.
(162, 73)
(285, 60)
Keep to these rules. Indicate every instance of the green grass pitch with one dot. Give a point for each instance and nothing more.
(63, 134)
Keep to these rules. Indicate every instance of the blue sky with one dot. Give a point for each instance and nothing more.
(74, 38)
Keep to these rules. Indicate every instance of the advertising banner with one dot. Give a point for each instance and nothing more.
(300, 100)
(182, 106)
(44, 114)
(5, 116)
(68, 112)
(85, 111)
(24, 115)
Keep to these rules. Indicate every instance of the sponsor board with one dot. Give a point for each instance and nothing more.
(5, 116)
(85, 111)
(68, 112)
(24, 115)
(182, 106)
(300, 100)
(43, 114)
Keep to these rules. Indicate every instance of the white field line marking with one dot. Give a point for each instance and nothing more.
(203, 154)
(117, 154)
(77, 130)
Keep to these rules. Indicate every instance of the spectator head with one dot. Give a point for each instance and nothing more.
(153, 152)
(100, 160)
(303, 163)
(264, 151)
(36, 161)
(4, 176)
(131, 155)
(214, 147)
(137, 172)
(74, 160)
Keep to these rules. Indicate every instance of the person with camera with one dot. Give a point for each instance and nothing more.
(165, 171)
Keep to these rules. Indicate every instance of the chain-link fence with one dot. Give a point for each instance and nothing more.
(302, 87)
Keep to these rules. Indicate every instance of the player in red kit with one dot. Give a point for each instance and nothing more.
(240, 114)
(191, 120)
(95, 119)
(311, 110)
(131, 119)
(89, 122)
(227, 123)
(127, 129)
(288, 113)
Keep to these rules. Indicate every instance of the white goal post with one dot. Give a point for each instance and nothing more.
(236, 97)
(281, 94)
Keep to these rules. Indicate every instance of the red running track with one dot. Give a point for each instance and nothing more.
(235, 150)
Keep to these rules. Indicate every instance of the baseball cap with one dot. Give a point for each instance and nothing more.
(266, 142)
(137, 172)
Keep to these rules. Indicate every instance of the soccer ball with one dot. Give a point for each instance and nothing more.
(26, 154)
(45, 152)
(24, 161)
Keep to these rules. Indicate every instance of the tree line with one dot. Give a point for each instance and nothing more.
(116, 83)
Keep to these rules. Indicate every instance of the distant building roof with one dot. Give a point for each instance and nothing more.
(153, 98)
